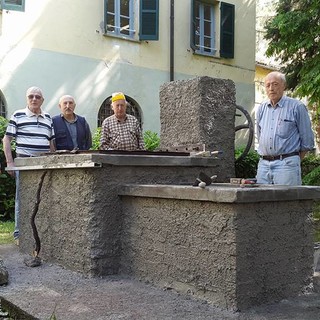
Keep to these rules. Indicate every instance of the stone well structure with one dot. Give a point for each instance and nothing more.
(138, 214)
(235, 247)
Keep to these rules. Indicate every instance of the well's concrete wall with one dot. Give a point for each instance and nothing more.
(200, 110)
(140, 216)
(79, 219)
(235, 255)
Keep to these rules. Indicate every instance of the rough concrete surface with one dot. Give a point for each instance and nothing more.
(39, 291)
(200, 110)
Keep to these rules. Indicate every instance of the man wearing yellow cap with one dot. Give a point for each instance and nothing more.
(121, 131)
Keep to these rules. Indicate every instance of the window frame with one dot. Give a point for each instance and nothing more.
(143, 20)
(222, 18)
(117, 20)
(4, 5)
(202, 48)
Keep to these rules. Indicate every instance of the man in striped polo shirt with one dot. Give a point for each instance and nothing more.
(32, 130)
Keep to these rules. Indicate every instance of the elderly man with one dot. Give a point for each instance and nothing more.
(284, 134)
(32, 130)
(72, 131)
(120, 131)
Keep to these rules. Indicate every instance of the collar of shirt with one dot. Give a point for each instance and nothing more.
(29, 113)
(125, 119)
(279, 104)
(75, 118)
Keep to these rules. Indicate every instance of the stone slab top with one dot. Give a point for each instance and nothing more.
(86, 160)
(223, 192)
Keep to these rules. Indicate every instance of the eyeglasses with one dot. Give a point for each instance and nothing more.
(31, 97)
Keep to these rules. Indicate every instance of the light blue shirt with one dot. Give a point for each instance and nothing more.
(283, 129)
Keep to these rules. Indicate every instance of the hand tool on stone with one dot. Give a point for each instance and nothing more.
(204, 180)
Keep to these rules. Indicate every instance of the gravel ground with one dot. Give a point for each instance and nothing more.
(41, 290)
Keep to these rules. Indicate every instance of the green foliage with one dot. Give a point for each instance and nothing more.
(309, 163)
(151, 140)
(7, 183)
(96, 139)
(6, 230)
(312, 178)
(247, 167)
(293, 35)
(310, 168)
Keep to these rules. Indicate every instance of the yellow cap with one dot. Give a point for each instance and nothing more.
(118, 96)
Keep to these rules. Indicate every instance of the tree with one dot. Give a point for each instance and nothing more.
(294, 39)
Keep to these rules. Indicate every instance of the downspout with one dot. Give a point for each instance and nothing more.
(171, 40)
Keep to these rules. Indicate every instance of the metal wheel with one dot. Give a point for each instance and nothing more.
(248, 125)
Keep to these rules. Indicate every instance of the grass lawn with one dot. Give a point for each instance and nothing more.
(6, 231)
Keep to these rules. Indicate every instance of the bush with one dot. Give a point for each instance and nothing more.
(246, 167)
(7, 183)
(96, 139)
(309, 163)
(151, 140)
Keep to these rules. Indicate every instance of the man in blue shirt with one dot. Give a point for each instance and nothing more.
(284, 134)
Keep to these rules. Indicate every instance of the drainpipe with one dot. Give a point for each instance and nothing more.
(171, 40)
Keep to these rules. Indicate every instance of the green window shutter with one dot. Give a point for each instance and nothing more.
(227, 30)
(149, 20)
(16, 5)
(193, 26)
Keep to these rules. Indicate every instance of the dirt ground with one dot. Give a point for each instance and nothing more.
(41, 290)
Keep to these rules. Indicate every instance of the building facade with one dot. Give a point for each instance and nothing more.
(91, 48)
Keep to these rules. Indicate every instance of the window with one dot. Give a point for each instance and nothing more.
(121, 19)
(17, 5)
(208, 27)
(106, 111)
(3, 112)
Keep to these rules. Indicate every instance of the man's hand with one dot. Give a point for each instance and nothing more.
(302, 154)
(10, 165)
(8, 153)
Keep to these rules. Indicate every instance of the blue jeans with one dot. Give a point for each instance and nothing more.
(17, 207)
(286, 171)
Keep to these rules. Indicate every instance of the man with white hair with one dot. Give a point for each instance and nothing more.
(284, 134)
(72, 132)
(32, 130)
(121, 131)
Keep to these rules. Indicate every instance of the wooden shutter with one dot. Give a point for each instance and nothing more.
(227, 30)
(149, 20)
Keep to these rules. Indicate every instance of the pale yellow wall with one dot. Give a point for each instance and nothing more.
(80, 34)
(59, 45)
(261, 73)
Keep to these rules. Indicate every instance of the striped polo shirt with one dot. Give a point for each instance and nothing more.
(32, 132)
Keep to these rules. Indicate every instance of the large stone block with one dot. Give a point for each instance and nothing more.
(200, 110)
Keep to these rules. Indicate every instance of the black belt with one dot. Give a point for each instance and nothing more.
(280, 157)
